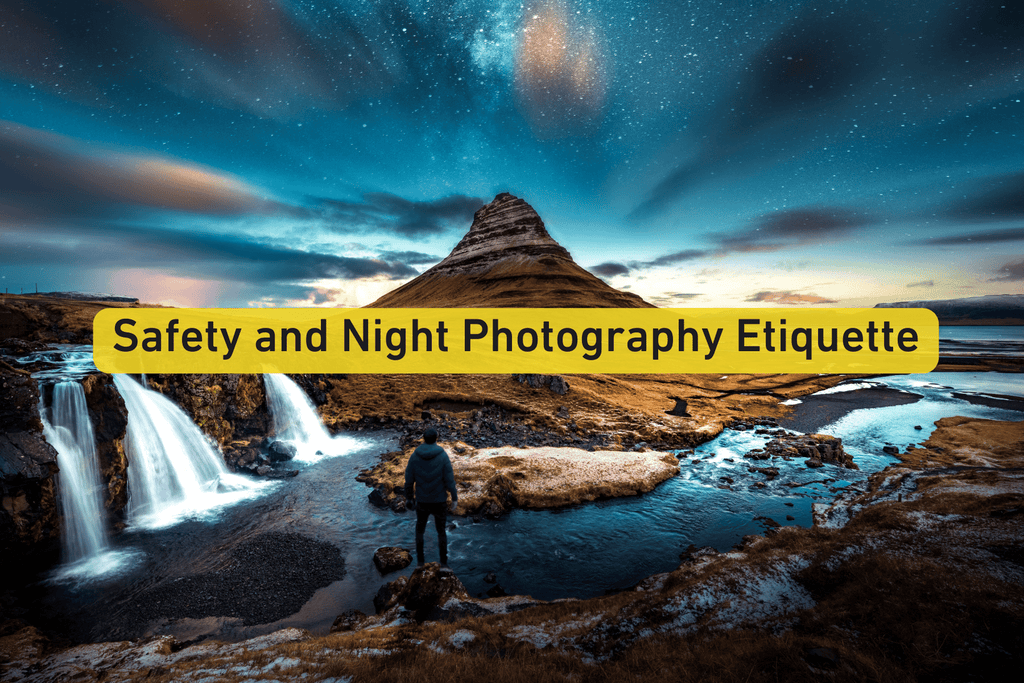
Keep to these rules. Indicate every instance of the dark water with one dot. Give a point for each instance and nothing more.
(982, 340)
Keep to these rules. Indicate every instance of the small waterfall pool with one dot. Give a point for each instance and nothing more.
(174, 470)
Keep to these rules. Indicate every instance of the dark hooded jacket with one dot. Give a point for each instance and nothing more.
(431, 471)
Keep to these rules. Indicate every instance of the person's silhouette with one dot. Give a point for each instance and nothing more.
(429, 479)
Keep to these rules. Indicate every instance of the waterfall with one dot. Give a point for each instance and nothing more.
(69, 431)
(296, 421)
(173, 468)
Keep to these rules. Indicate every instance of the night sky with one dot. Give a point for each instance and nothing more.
(286, 153)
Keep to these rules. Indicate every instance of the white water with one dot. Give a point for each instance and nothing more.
(69, 431)
(174, 471)
(297, 422)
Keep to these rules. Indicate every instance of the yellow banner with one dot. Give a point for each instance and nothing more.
(516, 340)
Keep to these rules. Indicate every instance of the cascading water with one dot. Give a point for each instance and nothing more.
(174, 470)
(69, 431)
(296, 420)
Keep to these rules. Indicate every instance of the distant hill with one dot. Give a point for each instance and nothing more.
(508, 260)
(994, 309)
(86, 296)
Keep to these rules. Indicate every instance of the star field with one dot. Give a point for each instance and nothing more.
(259, 152)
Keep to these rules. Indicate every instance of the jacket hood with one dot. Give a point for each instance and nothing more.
(429, 451)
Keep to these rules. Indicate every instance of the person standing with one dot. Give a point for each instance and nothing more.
(429, 479)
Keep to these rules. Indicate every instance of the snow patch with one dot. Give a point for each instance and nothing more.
(460, 638)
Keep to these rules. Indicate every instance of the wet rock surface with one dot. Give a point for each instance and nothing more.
(390, 559)
(815, 449)
(28, 497)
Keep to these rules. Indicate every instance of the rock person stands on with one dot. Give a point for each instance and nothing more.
(428, 480)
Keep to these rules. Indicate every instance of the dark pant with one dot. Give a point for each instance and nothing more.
(424, 510)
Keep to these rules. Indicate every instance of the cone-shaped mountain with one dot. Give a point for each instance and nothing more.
(508, 260)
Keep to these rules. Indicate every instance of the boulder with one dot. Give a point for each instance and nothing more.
(555, 383)
(387, 594)
(432, 593)
(770, 472)
(348, 620)
(679, 410)
(281, 451)
(378, 498)
(390, 559)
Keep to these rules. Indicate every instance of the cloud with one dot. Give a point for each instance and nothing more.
(411, 258)
(389, 212)
(671, 298)
(986, 237)
(1001, 198)
(793, 227)
(609, 269)
(44, 175)
(676, 257)
(925, 283)
(790, 298)
(184, 253)
(666, 260)
(1010, 272)
(771, 232)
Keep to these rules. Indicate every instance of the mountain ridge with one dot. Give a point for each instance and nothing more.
(507, 259)
(992, 309)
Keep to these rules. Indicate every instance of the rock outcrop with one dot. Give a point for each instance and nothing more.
(109, 423)
(508, 259)
(493, 481)
(435, 593)
(28, 490)
(817, 449)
